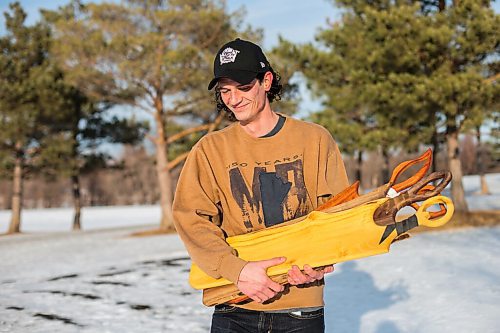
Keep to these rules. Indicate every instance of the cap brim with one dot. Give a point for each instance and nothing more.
(242, 77)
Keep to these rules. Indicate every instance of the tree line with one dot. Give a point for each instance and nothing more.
(393, 76)
(129, 179)
(399, 74)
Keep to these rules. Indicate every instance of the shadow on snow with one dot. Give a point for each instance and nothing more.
(352, 293)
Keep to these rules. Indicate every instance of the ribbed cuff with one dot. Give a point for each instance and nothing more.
(230, 267)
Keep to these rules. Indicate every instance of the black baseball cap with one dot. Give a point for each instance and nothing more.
(240, 61)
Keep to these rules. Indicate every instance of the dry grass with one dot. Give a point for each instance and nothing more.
(153, 232)
(486, 218)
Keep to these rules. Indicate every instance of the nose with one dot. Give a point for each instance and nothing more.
(234, 97)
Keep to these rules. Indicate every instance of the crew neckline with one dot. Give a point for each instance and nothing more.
(266, 138)
(277, 127)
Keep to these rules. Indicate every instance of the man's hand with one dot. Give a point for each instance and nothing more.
(296, 276)
(255, 283)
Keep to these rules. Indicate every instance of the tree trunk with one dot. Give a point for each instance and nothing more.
(484, 185)
(480, 162)
(385, 166)
(165, 182)
(17, 191)
(435, 149)
(457, 189)
(77, 201)
(359, 164)
(441, 5)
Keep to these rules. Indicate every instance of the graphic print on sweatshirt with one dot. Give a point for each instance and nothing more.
(277, 193)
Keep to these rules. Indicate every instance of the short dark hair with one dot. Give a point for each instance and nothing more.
(274, 94)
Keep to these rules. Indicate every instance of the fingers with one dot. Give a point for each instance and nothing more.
(259, 287)
(276, 287)
(267, 293)
(269, 290)
(258, 293)
(271, 262)
(328, 269)
(296, 276)
(314, 274)
(262, 294)
(254, 282)
(259, 298)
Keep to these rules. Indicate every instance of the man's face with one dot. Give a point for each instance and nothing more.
(245, 101)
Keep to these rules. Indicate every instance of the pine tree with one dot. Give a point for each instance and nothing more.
(408, 71)
(86, 125)
(152, 55)
(29, 125)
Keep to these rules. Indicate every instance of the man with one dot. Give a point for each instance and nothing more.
(262, 170)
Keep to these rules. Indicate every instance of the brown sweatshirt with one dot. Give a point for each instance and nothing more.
(233, 183)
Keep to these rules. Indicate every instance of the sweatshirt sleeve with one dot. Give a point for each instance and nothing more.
(197, 219)
(332, 175)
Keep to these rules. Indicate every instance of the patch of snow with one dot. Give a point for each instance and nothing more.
(434, 282)
(93, 218)
(107, 281)
(103, 280)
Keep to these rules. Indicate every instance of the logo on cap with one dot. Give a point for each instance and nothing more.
(228, 55)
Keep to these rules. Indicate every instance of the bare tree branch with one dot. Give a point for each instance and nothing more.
(213, 36)
(216, 122)
(493, 78)
(176, 161)
(186, 132)
(177, 109)
(210, 127)
(144, 88)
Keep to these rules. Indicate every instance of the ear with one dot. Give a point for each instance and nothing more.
(268, 80)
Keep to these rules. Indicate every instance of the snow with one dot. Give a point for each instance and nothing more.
(434, 282)
(107, 281)
(97, 281)
(482, 202)
(93, 218)
(104, 280)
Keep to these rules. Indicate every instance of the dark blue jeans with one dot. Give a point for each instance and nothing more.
(228, 318)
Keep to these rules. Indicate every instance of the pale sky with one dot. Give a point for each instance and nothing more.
(295, 20)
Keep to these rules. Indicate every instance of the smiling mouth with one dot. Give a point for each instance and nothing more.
(236, 108)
